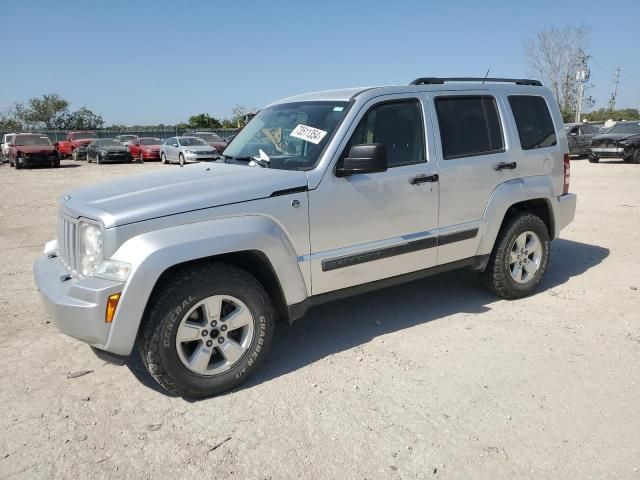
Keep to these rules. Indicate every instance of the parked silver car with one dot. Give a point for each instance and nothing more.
(320, 196)
(186, 150)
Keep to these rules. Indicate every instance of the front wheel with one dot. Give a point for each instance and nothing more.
(520, 257)
(208, 329)
(17, 163)
(593, 158)
(163, 158)
(635, 158)
(181, 159)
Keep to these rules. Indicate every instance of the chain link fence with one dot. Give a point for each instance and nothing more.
(159, 132)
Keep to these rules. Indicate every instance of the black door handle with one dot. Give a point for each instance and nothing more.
(506, 166)
(424, 178)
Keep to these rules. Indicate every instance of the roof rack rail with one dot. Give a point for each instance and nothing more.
(438, 80)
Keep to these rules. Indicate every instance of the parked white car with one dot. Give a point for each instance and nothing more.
(6, 140)
(186, 150)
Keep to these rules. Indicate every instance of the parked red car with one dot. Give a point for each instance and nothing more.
(145, 148)
(74, 139)
(27, 149)
(213, 139)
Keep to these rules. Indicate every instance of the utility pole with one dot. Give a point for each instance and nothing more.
(612, 101)
(582, 76)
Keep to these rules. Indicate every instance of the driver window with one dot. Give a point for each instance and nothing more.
(399, 126)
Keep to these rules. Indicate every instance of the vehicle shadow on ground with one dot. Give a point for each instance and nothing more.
(345, 324)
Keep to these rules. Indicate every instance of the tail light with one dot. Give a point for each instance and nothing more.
(567, 174)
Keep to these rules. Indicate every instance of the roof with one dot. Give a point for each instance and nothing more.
(348, 94)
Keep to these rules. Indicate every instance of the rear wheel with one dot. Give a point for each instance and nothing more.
(208, 329)
(520, 257)
(593, 158)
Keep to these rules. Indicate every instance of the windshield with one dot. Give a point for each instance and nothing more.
(32, 140)
(625, 127)
(150, 141)
(192, 142)
(291, 135)
(76, 136)
(210, 137)
(109, 142)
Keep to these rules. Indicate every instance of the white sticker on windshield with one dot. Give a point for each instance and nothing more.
(310, 134)
(338, 109)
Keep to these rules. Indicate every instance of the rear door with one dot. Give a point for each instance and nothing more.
(473, 157)
(586, 135)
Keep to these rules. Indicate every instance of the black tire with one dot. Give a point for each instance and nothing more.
(11, 163)
(97, 159)
(141, 157)
(55, 163)
(17, 163)
(497, 276)
(635, 158)
(593, 158)
(163, 158)
(181, 160)
(157, 337)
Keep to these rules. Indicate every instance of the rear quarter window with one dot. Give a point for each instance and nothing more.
(533, 120)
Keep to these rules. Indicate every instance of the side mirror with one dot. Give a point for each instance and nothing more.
(174, 144)
(366, 158)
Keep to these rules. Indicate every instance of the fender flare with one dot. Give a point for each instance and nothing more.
(506, 195)
(151, 254)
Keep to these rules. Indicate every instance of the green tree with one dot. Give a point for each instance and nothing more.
(621, 114)
(46, 111)
(204, 120)
(83, 119)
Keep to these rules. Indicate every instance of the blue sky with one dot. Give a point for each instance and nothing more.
(160, 62)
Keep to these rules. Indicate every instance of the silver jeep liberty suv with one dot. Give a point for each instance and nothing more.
(320, 196)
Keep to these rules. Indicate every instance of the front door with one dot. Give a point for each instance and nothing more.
(367, 227)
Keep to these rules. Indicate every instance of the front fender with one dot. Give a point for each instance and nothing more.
(150, 254)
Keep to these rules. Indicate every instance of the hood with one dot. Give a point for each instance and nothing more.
(197, 148)
(613, 136)
(113, 149)
(176, 190)
(35, 148)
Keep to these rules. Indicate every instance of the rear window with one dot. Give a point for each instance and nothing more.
(535, 127)
(469, 126)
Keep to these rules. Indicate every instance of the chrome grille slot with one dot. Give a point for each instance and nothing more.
(67, 240)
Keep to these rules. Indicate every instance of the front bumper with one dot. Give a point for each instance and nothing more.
(608, 152)
(151, 156)
(201, 158)
(566, 211)
(76, 305)
(31, 160)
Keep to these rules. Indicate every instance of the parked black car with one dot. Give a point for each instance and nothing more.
(79, 153)
(620, 141)
(579, 136)
(108, 150)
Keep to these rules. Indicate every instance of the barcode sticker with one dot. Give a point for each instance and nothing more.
(310, 134)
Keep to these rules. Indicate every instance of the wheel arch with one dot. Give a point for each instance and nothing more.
(532, 194)
(253, 243)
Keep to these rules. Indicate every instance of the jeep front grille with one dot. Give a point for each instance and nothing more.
(67, 242)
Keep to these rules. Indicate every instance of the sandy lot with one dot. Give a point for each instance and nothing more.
(434, 379)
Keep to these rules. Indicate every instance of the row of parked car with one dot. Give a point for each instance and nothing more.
(30, 149)
(25, 149)
(620, 141)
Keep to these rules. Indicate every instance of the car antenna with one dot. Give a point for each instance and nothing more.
(485, 76)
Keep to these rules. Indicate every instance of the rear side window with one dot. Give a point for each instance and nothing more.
(535, 127)
(469, 126)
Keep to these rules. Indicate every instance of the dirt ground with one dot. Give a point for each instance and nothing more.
(433, 379)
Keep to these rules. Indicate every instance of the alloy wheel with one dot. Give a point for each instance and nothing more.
(214, 335)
